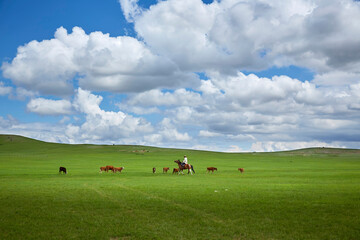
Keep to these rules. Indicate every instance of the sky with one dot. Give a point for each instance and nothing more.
(229, 76)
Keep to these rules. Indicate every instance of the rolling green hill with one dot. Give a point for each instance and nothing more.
(303, 194)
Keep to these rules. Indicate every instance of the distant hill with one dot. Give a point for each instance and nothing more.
(11, 139)
(16, 139)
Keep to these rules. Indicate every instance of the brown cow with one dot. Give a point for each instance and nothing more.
(154, 170)
(175, 170)
(118, 169)
(165, 169)
(108, 167)
(102, 169)
(241, 170)
(211, 169)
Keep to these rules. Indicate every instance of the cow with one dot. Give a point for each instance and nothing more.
(109, 167)
(241, 170)
(212, 169)
(175, 170)
(102, 169)
(154, 170)
(62, 169)
(165, 169)
(118, 169)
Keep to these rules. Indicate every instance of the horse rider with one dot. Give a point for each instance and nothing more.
(185, 161)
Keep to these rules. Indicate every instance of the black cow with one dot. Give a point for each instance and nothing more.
(62, 169)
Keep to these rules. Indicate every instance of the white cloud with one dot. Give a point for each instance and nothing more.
(205, 133)
(45, 66)
(284, 146)
(231, 35)
(100, 62)
(138, 110)
(5, 123)
(336, 78)
(49, 107)
(103, 125)
(130, 9)
(246, 108)
(40, 131)
(64, 120)
(234, 148)
(4, 90)
(22, 94)
(157, 97)
(167, 133)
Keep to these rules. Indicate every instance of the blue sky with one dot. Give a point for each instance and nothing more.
(231, 75)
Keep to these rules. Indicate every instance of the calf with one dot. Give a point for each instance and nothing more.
(102, 169)
(154, 170)
(165, 169)
(175, 170)
(62, 169)
(241, 170)
(118, 169)
(212, 169)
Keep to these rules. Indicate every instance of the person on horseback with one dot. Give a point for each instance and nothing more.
(185, 161)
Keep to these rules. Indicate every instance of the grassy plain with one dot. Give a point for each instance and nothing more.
(304, 194)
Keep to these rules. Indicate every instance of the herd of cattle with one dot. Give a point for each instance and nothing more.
(111, 168)
(165, 169)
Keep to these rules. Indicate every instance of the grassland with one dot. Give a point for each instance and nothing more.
(304, 194)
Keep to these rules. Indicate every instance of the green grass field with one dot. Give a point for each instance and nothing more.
(304, 194)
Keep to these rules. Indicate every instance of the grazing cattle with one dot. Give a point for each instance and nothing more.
(241, 170)
(108, 167)
(175, 170)
(62, 169)
(165, 169)
(212, 169)
(118, 169)
(154, 170)
(102, 169)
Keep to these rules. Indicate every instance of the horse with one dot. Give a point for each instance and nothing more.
(118, 169)
(211, 169)
(102, 169)
(175, 170)
(62, 169)
(154, 170)
(241, 170)
(189, 167)
(109, 167)
(165, 169)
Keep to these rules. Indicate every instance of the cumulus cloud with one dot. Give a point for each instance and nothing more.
(98, 61)
(167, 133)
(130, 9)
(42, 66)
(157, 97)
(206, 133)
(4, 90)
(40, 131)
(101, 125)
(230, 35)
(247, 108)
(49, 107)
(336, 78)
(5, 123)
